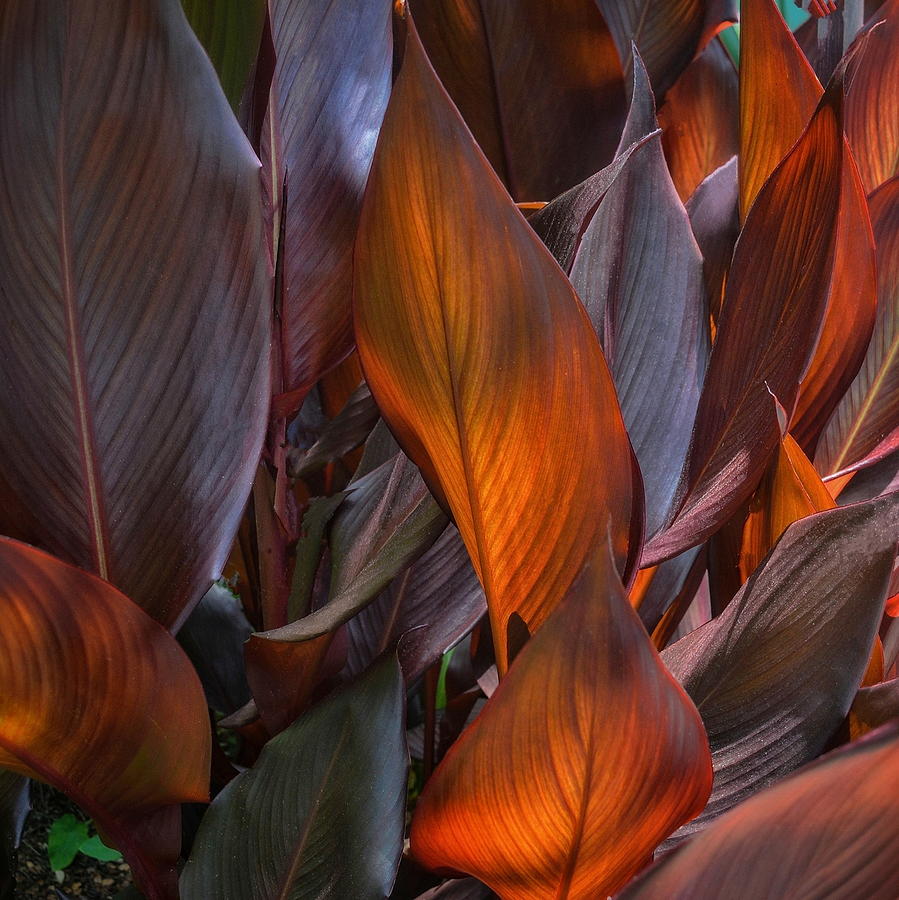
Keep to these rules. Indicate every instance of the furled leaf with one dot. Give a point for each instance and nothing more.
(346, 431)
(439, 591)
(790, 490)
(865, 426)
(321, 812)
(829, 831)
(101, 702)
(699, 119)
(539, 85)
(778, 94)
(774, 675)
(15, 805)
(767, 331)
(639, 273)
(329, 93)
(874, 705)
(537, 795)
(483, 361)
(231, 31)
(668, 35)
(872, 106)
(134, 292)
(714, 217)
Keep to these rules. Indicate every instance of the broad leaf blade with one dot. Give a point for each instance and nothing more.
(101, 702)
(535, 796)
(135, 293)
(329, 93)
(769, 690)
(483, 361)
(767, 331)
(830, 831)
(320, 814)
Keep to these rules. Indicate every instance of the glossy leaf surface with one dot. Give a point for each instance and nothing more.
(778, 94)
(539, 85)
(101, 702)
(483, 361)
(535, 796)
(639, 272)
(767, 331)
(865, 425)
(829, 831)
(768, 691)
(134, 294)
(298, 824)
(329, 93)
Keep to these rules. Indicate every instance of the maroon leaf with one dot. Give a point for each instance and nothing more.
(135, 295)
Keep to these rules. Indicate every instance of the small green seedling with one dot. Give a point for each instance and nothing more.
(70, 836)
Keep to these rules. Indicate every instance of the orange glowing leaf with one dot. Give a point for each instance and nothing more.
(101, 702)
(483, 361)
(585, 757)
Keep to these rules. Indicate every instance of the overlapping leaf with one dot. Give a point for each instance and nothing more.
(774, 675)
(134, 292)
(699, 119)
(774, 306)
(830, 831)
(865, 425)
(101, 702)
(872, 107)
(329, 93)
(667, 35)
(639, 272)
(298, 823)
(539, 84)
(483, 361)
(536, 795)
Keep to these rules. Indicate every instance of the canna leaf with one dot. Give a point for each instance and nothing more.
(767, 331)
(864, 427)
(539, 85)
(699, 119)
(667, 35)
(872, 106)
(101, 702)
(778, 94)
(231, 32)
(774, 675)
(829, 831)
(534, 797)
(639, 273)
(135, 296)
(321, 812)
(329, 92)
(483, 361)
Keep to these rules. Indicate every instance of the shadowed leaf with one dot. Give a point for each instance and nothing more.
(767, 331)
(101, 702)
(134, 293)
(774, 675)
(461, 333)
(534, 797)
(829, 831)
(329, 93)
(320, 814)
(539, 85)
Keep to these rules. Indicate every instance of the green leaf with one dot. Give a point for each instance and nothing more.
(96, 849)
(66, 836)
(321, 813)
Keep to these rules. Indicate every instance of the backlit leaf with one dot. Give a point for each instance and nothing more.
(829, 831)
(773, 675)
(135, 296)
(321, 812)
(100, 701)
(483, 361)
(536, 796)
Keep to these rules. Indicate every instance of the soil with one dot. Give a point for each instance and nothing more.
(85, 877)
